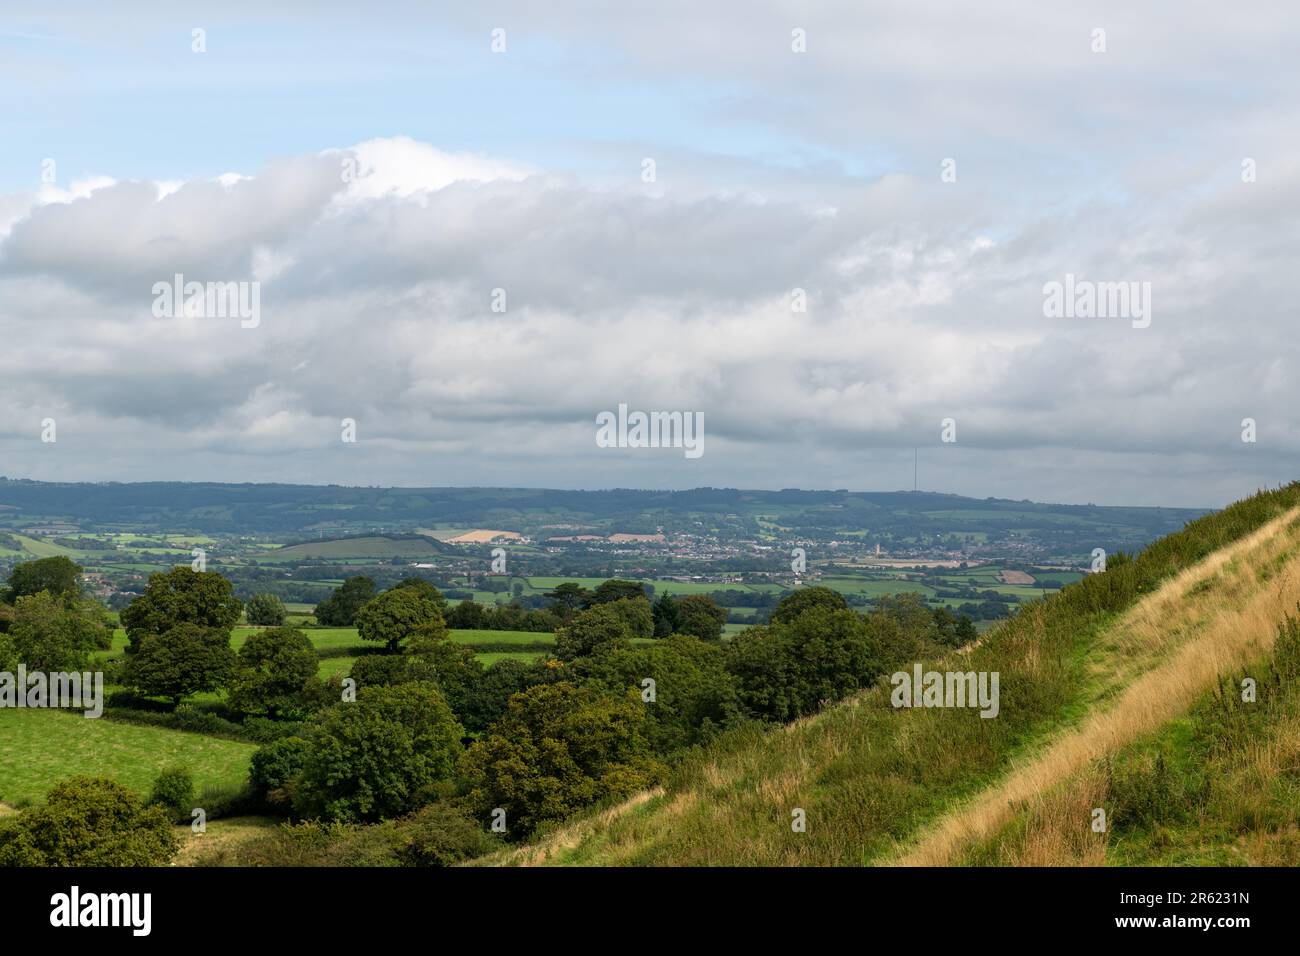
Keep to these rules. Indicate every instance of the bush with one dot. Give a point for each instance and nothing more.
(441, 835)
(260, 730)
(89, 821)
(125, 708)
(227, 801)
(437, 835)
(378, 758)
(273, 768)
(266, 610)
(559, 749)
(174, 792)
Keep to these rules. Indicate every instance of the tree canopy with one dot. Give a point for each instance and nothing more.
(185, 660)
(59, 575)
(180, 596)
(266, 610)
(380, 756)
(559, 748)
(341, 607)
(270, 671)
(396, 614)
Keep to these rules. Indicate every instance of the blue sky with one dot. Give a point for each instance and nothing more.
(138, 103)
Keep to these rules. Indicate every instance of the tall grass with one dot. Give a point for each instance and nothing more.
(1217, 786)
(869, 777)
(1170, 649)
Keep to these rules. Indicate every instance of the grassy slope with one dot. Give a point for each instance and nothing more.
(1083, 673)
(1147, 671)
(1218, 786)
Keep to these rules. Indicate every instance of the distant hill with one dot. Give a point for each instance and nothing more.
(335, 511)
(366, 546)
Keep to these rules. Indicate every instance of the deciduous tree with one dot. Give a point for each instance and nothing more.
(181, 596)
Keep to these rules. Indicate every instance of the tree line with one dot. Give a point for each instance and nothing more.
(420, 734)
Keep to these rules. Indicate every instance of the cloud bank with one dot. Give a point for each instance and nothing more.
(474, 313)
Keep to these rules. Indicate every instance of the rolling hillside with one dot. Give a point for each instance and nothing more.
(366, 546)
(897, 519)
(1120, 694)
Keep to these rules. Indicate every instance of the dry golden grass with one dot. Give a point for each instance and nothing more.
(1057, 831)
(1179, 640)
(1271, 849)
(1053, 829)
(483, 536)
(222, 834)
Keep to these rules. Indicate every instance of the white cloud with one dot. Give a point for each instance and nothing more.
(402, 168)
(925, 300)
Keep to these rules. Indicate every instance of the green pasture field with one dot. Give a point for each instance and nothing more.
(875, 587)
(335, 667)
(375, 546)
(45, 549)
(39, 748)
(502, 637)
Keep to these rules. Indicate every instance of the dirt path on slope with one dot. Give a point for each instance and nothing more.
(1162, 654)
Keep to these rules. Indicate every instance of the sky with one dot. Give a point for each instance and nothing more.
(826, 229)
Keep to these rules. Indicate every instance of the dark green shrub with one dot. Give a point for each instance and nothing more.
(174, 792)
(440, 835)
(89, 821)
(559, 749)
(377, 758)
(265, 610)
(273, 768)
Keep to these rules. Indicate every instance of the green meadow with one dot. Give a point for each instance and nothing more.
(38, 748)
